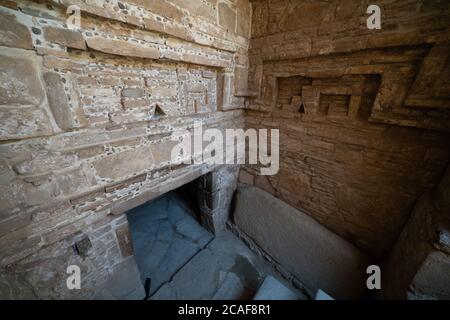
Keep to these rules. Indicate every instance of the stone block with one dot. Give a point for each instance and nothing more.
(13, 286)
(15, 222)
(123, 164)
(316, 256)
(311, 99)
(136, 103)
(124, 282)
(209, 201)
(163, 91)
(19, 79)
(65, 37)
(82, 247)
(197, 8)
(13, 33)
(133, 93)
(124, 239)
(126, 183)
(353, 107)
(122, 47)
(273, 289)
(58, 102)
(432, 280)
(44, 162)
(23, 122)
(243, 23)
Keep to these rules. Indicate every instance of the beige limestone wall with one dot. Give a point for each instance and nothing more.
(363, 114)
(86, 119)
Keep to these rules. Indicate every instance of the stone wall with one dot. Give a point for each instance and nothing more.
(363, 114)
(302, 250)
(418, 266)
(87, 118)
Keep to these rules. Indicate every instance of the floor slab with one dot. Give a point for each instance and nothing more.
(165, 236)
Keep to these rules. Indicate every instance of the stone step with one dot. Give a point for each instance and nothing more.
(273, 289)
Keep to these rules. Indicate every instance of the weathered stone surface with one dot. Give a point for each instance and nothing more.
(55, 190)
(318, 257)
(227, 17)
(343, 84)
(272, 289)
(313, 76)
(19, 78)
(15, 287)
(124, 238)
(245, 177)
(241, 81)
(65, 37)
(133, 92)
(122, 48)
(13, 33)
(57, 101)
(243, 23)
(197, 8)
(23, 122)
(417, 267)
(125, 163)
(165, 236)
(44, 162)
(226, 269)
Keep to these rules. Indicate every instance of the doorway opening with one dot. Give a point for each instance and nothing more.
(180, 259)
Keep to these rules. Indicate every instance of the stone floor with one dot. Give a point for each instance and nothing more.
(184, 261)
(165, 236)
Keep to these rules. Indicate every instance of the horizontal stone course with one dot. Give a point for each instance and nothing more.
(13, 33)
(64, 37)
(86, 116)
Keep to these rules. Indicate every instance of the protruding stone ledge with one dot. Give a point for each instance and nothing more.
(418, 265)
(122, 48)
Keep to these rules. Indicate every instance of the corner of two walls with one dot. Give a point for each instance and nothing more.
(363, 115)
(89, 117)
